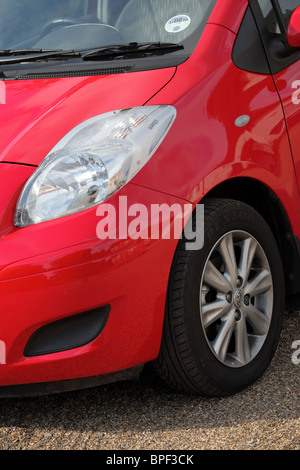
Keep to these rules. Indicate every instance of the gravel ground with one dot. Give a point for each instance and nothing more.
(146, 416)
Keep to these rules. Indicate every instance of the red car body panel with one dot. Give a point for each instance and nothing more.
(203, 94)
(284, 81)
(233, 20)
(55, 269)
(45, 112)
(77, 278)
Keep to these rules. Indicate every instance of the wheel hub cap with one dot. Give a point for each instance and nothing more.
(236, 298)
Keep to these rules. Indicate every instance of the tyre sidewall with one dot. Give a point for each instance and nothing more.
(240, 217)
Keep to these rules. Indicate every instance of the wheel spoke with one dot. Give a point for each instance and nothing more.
(213, 278)
(226, 250)
(221, 343)
(260, 284)
(211, 312)
(248, 249)
(242, 347)
(257, 319)
(236, 298)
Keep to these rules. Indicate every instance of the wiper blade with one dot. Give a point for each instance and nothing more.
(12, 52)
(15, 56)
(30, 55)
(131, 48)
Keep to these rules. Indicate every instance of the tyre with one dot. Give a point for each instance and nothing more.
(224, 305)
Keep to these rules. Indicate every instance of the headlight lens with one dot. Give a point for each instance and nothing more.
(93, 161)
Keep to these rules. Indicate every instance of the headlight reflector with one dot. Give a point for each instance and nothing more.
(93, 161)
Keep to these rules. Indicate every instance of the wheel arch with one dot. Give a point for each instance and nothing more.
(269, 206)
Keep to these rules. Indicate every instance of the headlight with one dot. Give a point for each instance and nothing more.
(92, 162)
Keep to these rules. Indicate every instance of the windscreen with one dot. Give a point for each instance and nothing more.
(85, 24)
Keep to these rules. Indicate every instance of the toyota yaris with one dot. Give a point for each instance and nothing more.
(149, 190)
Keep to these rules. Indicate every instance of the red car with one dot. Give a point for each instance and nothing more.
(149, 167)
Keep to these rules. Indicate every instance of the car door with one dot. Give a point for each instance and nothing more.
(273, 17)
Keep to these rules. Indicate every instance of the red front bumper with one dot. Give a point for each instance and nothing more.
(57, 269)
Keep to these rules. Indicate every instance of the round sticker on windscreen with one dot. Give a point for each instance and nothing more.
(177, 23)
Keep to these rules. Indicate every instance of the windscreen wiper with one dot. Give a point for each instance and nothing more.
(12, 52)
(131, 48)
(14, 56)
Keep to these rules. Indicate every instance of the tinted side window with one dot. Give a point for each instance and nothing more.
(272, 18)
(269, 16)
(248, 52)
(287, 8)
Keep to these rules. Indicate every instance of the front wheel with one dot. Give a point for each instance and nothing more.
(225, 304)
